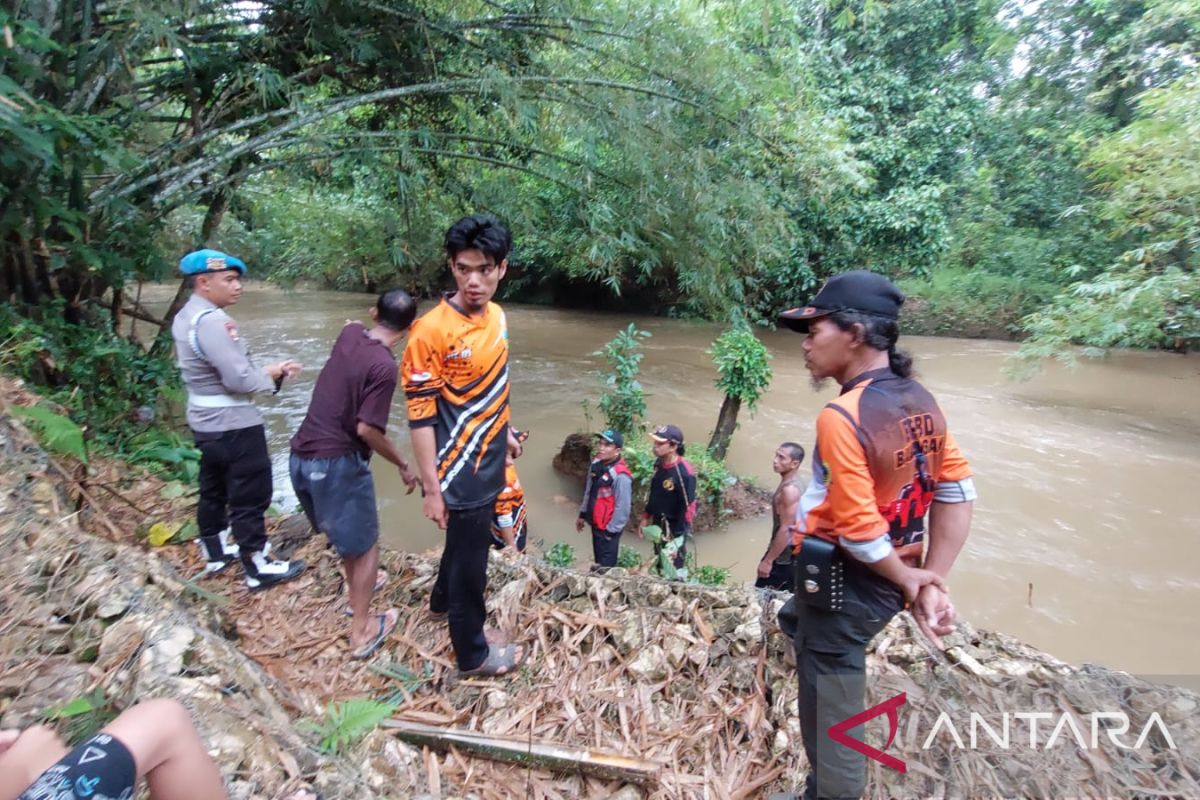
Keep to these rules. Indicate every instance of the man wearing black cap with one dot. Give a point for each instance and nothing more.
(672, 501)
(883, 460)
(235, 470)
(607, 496)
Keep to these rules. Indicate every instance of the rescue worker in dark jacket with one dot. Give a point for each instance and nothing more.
(607, 497)
(884, 459)
(221, 379)
(671, 504)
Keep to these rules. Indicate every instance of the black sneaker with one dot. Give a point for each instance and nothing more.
(263, 572)
(220, 555)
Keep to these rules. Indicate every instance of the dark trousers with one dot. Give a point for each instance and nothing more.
(235, 487)
(831, 664)
(461, 581)
(605, 547)
(780, 578)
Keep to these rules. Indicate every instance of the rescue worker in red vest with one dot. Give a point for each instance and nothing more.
(607, 498)
(884, 458)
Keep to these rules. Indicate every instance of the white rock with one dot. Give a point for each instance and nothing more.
(497, 700)
(650, 664)
(166, 655)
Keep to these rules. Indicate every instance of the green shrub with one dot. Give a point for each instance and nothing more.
(628, 557)
(623, 402)
(561, 555)
(709, 575)
(346, 723)
(971, 303)
(110, 387)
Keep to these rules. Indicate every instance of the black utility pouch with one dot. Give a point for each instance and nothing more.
(820, 574)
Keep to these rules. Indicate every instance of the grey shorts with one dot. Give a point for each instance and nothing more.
(338, 496)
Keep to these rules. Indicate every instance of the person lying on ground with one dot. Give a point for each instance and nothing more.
(154, 740)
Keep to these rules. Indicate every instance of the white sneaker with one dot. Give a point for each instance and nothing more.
(229, 553)
(263, 572)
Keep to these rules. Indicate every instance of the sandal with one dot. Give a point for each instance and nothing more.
(387, 624)
(499, 661)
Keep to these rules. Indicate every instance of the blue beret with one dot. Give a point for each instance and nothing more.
(202, 261)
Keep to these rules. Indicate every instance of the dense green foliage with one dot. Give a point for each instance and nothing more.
(111, 388)
(1023, 168)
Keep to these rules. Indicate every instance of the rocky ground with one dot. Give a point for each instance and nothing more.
(693, 684)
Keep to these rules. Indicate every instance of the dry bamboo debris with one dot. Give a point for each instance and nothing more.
(713, 703)
(689, 678)
(553, 757)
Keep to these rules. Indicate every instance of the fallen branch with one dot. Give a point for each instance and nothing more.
(609, 766)
(137, 312)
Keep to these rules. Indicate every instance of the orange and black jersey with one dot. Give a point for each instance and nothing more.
(510, 509)
(455, 377)
(883, 455)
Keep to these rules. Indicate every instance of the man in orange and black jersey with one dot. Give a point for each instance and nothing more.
(883, 460)
(455, 378)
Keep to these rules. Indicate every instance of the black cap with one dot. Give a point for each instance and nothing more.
(668, 433)
(857, 290)
(612, 437)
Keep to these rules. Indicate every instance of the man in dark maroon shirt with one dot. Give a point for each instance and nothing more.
(347, 421)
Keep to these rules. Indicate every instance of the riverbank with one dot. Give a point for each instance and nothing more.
(695, 683)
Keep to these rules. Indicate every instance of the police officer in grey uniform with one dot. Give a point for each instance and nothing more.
(235, 470)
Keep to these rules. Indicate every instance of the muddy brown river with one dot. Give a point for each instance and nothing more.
(1086, 540)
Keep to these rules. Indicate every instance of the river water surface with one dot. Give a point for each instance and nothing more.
(1089, 479)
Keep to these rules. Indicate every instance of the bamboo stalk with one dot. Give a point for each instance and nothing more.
(549, 756)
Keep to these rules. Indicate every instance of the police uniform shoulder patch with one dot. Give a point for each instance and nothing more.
(231, 329)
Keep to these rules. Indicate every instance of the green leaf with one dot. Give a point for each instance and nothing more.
(78, 706)
(347, 722)
(188, 531)
(57, 433)
(173, 490)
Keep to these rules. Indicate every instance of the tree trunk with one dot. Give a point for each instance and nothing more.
(163, 340)
(222, 197)
(118, 298)
(726, 424)
(26, 271)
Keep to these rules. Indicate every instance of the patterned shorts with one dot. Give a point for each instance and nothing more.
(99, 769)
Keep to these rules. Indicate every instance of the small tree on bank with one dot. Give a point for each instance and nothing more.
(623, 403)
(743, 374)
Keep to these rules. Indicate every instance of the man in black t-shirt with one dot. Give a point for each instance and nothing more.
(346, 420)
(672, 501)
